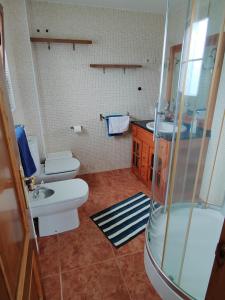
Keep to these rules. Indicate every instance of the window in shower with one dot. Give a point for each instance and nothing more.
(191, 68)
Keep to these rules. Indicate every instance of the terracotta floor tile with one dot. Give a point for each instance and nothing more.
(140, 287)
(91, 268)
(137, 282)
(100, 281)
(52, 288)
(75, 256)
(81, 284)
(130, 263)
(83, 216)
(83, 246)
(49, 255)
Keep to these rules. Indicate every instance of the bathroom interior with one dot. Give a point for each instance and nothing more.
(112, 126)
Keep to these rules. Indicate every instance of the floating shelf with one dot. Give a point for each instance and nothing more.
(115, 66)
(119, 66)
(59, 41)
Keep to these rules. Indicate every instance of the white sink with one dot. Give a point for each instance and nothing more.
(42, 193)
(164, 127)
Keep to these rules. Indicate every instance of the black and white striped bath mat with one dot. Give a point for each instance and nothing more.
(125, 220)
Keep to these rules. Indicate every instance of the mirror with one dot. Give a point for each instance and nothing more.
(173, 74)
(196, 96)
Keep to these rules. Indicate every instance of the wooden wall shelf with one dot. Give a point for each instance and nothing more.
(121, 66)
(115, 66)
(59, 41)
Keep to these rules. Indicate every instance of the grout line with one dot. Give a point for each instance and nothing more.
(99, 262)
(121, 275)
(123, 279)
(60, 269)
(131, 253)
(86, 266)
(61, 285)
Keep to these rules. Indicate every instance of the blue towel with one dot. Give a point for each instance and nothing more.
(27, 161)
(107, 123)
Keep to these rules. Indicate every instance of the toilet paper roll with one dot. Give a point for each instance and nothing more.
(76, 128)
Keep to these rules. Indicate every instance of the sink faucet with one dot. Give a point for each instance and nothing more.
(36, 192)
(169, 115)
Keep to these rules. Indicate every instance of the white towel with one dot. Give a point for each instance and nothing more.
(118, 124)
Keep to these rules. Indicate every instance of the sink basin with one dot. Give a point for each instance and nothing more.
(164, 127)
(42, 193)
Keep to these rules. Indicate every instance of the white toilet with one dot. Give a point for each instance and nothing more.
(58, 166)
(55, 205)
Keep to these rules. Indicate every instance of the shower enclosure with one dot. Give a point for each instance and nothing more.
(182, 235)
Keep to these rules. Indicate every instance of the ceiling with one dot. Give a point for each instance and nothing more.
(154, 6)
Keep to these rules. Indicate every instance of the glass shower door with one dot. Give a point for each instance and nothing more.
(183, 234)
(166, 108)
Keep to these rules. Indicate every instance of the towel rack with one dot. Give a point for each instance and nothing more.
(102, 117)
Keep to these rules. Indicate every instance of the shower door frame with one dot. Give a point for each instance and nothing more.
(215, 290)
(216, 284)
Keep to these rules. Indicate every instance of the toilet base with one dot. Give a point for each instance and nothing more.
(60, 222)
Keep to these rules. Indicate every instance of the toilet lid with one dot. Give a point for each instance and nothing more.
(61, 165)
(57, 155)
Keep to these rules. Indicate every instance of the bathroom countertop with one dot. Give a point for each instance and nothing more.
(168, 136)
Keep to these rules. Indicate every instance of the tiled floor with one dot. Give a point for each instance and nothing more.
(82, 264)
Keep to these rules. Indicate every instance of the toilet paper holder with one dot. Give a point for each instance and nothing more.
(77, 128)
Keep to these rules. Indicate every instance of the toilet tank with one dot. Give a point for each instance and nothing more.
(33, 145)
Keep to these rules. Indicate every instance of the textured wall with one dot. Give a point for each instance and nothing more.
(72, 93)
(19, 56)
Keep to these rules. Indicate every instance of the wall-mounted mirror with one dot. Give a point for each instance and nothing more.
(173, 73)
(197, 91)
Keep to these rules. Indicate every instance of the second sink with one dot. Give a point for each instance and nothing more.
(164, 127)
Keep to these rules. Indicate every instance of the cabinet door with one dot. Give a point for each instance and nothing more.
(151, 166)
(136, 155)
(161, 171)
(145, 162)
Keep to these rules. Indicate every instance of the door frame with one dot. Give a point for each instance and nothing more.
(10, 138)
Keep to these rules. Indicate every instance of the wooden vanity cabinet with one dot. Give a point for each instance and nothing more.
(136, 155)
(142, 154)
(162, 167)
(143, 160)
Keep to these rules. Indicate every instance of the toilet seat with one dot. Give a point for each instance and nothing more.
(54, 177)
(58, 165)
(61, 165)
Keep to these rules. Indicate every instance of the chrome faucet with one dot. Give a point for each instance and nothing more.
(36, 192)
(169, 114)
